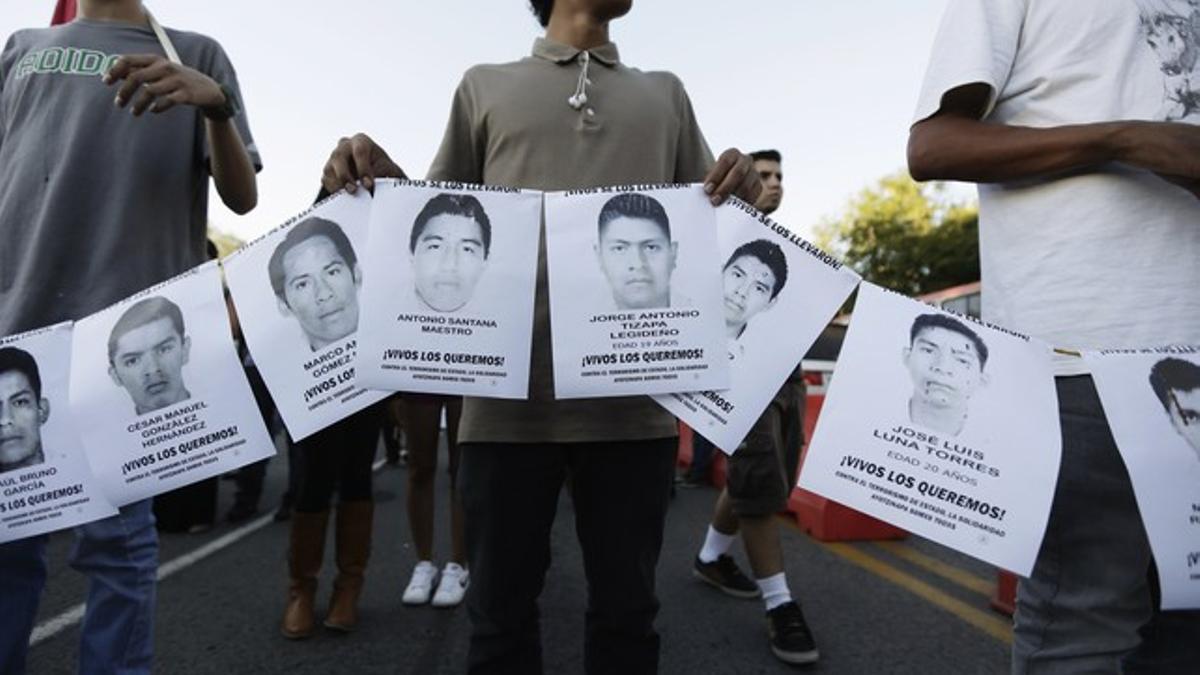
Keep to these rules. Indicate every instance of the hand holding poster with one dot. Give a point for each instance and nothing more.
(46, 483)
(449, 304)
(158, 385)
(1152, 400)
(635, 292)
(779, 293)
(296, 290)
(943, 426)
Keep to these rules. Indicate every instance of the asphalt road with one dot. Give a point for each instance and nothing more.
(911, 607)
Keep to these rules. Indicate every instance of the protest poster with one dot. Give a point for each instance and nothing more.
(46, 483)
(635, 291)
(941, 425)
(1151, 398)
(779, 292)
(296, 290)
(448, 307)
(157, 384)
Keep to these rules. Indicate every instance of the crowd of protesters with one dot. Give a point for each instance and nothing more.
(1029, 98)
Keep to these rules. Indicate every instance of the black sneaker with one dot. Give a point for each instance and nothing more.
(790, 638)
(724, 574)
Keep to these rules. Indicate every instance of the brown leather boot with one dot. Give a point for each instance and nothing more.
(305, 552)
(353, 550)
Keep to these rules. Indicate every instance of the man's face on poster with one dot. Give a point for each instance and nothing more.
(22, 415)
(148, 362)
(320, 289)
(637, 258)
(448, 259)
(1184, 408)
(749, 284)
(945, 367)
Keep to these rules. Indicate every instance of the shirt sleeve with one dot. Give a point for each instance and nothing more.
(976, 44)
(693, 158)
(221, 69)
(460, 156)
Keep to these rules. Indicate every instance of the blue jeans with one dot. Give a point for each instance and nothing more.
(120, 557)
(1091, 604)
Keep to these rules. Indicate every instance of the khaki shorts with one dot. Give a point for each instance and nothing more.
(758, 481)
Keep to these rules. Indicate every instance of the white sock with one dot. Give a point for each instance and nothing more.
(716, 545)
(774, 590)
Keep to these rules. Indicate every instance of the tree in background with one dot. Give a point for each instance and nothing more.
(226, 243)
(905, 236)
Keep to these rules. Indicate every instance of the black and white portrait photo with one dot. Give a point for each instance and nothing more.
(647, 315)
(450, 241)
(952, 434)
(449, 305)
(147, 350)
(40, 444)
(946, 361)
(298, 290)
(23, 410)
(170, 405)
(753, 276)
(635, 251)
(1151, 399)
(316, 278)
(778, 293)
(1176, 383)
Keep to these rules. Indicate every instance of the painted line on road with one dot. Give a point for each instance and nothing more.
(994, 626)
(73, 615)
(963, 578)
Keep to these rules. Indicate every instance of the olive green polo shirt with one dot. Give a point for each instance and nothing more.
(512, 125)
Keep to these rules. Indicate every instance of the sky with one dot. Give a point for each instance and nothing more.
(832, 85)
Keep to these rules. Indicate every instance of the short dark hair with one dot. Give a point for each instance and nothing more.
(302, 232)
(542, 9)
(634, 205)
(12, 358)
(769, 253)
(141, 313)
(768, 155)
(1173, 374)
(447, 204)
(925, 321)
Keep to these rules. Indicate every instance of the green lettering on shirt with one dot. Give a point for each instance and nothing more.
(65, 60)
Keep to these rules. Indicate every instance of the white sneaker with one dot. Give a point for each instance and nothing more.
(453, 586)
(420, 587)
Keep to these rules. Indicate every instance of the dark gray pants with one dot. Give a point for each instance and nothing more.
(510, 493)
(1091, 605)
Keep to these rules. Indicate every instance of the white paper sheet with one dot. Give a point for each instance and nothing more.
(46, 483)
(779, 292)
(448, 308)
(943, 426)
(159, 393)
(635, 292)
(297, 292)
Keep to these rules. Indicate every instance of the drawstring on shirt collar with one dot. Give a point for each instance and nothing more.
(579, 98)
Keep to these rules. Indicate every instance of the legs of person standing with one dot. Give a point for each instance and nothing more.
(757, 489)
(423, 420)
(699, 471)
(248, 481)
(355, 517)
(1090, 594)
(621, 491)
(393, 429)
(510, 495)
(119, 555)
(22, 578)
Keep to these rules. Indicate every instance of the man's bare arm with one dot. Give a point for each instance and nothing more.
(954, 144)
(149, 82)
